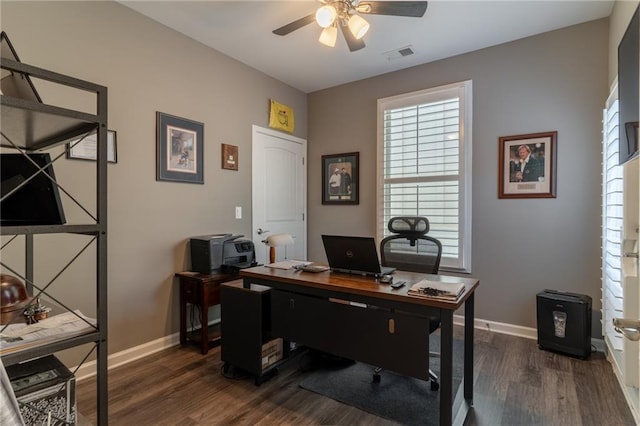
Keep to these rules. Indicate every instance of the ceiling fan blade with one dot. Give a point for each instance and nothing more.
(297, 24)
(415, 9)
(353, 43)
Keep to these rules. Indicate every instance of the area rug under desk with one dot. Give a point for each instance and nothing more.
(402, 399)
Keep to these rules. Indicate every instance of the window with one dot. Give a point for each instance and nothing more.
(424, 166)
(612, 213)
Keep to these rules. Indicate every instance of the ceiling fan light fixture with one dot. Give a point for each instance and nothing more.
(358, 26)
(326, 15)
(329, 36)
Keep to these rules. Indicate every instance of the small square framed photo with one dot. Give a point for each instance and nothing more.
(340, 178)
(229, 157)
(527, 165)
(179, 149)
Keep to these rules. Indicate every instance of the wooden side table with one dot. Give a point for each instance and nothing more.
(203, 291)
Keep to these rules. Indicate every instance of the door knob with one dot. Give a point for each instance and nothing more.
(628, 328)
(261, 231)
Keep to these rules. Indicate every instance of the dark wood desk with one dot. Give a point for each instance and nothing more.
(202, 291)
(309, 308)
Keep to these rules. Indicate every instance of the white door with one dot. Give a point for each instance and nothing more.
(279, 192)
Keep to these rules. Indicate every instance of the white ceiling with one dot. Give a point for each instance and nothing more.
(242, 30)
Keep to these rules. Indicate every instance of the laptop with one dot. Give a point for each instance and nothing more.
(353, 255)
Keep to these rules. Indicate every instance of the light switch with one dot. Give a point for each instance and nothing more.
(238, 212)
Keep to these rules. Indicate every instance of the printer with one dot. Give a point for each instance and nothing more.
(212, 254)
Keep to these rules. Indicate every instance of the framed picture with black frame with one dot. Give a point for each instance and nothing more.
(340, 178)
(179, 149)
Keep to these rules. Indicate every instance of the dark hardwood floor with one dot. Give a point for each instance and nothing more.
(515, 384)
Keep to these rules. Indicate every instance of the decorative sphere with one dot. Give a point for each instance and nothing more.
(12, 291)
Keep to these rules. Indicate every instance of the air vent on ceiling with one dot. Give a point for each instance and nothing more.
(398, 53)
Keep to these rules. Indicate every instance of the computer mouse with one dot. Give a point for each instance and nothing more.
(386, 279)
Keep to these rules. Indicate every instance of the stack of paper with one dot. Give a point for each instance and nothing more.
(436, 290)
(15, 337)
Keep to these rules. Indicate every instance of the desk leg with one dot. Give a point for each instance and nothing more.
(183, 316)
(204, 322)
(446, 366)
(468, 348)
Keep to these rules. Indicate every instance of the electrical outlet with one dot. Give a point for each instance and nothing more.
(238, 212)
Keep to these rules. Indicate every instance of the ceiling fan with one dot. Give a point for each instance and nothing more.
(346, 15)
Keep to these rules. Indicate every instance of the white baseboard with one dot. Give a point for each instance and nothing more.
(515, 330)
(499, 327)
(118, 359)
(88, 369)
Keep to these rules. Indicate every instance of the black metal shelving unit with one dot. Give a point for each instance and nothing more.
(29, 126)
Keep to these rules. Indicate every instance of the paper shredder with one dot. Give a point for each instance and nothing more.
(564, 322)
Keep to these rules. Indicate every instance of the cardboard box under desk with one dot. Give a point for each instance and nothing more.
(271, 352)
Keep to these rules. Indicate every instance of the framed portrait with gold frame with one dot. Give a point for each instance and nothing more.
(527, 165)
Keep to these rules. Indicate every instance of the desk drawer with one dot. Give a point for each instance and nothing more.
(195, 291)
(391, 340)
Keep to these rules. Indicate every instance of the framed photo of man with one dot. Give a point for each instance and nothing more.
(340, 178)
(527, 165)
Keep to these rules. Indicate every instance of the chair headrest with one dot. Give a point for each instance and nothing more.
(412, 225)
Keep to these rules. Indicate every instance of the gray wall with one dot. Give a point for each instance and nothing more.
(554, 81)
(149, 68)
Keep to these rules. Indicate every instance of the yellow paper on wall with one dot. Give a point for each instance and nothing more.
(281, 117)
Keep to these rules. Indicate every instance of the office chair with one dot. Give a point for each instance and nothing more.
(410, 249)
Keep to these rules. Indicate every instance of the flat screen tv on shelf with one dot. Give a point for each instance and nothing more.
(36, 202)
(628, 99)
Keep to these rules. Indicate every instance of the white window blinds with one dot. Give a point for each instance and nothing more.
(425, 159)
(612, 212)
